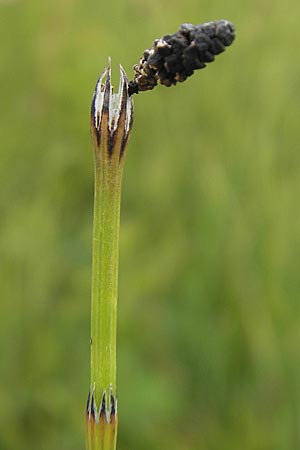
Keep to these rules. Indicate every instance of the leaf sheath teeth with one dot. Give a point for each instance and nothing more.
(111, 115)
(105, 411)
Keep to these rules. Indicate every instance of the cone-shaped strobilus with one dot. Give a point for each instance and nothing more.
(174, 57)
(171, 59)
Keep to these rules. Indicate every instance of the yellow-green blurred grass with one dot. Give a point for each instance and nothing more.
(209, 281)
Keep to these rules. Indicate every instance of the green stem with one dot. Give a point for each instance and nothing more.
(107, 199)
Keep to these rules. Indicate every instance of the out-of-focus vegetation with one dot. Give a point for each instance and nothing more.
(209, 327)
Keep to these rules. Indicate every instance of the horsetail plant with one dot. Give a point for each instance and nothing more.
(171, 59)
(111, 121)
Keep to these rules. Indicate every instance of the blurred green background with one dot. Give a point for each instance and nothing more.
(209, 315)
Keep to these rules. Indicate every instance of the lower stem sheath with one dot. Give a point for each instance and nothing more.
(111, 121)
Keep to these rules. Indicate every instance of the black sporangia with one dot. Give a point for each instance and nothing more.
(173, 58)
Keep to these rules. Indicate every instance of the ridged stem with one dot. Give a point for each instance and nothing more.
(105, 277)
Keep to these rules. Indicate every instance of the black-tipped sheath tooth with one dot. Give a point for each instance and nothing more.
(123, 75)
(93, 105)
(93, 407)
(125, 87)
(102, 413)
(93, 108)
(107, 91)
(113, 408)
(122, 101)
(88, 404)
(124, 94)
(124, 142)
(97, 107)
(123, 110)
